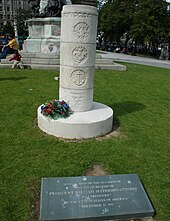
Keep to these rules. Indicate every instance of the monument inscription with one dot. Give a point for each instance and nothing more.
(94, 198)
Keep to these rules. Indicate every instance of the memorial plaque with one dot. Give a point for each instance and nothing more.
(94, 198)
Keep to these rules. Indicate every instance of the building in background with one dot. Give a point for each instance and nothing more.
(8, 9)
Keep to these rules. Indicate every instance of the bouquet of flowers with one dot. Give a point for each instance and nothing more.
(55, 109)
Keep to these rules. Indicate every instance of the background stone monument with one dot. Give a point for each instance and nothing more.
(77, 64)
(42, 47)
(44, 36)
(41, 50)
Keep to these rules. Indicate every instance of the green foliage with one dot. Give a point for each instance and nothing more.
(144, 20)
(150, 21)
(8, 29)
(22, 15)
(115, 19)
(140, 99)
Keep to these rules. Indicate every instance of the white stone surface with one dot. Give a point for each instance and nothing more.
(32, 45)
(50, 46)
(74, 54)
(77, 55)
(44, 36)
(77, 78)
(93, 123)
(80, 21)
(77, 99)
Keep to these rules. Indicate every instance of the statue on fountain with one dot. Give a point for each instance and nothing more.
(34, 7)
(46, 8)
(54, 8)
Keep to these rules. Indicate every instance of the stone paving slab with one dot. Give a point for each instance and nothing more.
(135, 59)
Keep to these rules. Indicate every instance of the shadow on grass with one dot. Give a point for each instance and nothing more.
(12, 78)
(123, 108)
(127, 107)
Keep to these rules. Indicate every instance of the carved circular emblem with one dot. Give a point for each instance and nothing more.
(81, 30)
(79, 54)
(78, 77)
(50, 47)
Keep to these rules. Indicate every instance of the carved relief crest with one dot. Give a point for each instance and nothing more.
(79, 54)
(78, 77)
(81, 30)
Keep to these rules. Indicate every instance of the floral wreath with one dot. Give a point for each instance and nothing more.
(56, 109)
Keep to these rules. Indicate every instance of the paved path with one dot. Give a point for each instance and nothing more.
(136, 59)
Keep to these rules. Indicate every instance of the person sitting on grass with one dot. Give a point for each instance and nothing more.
(17, 60)
(9, 48)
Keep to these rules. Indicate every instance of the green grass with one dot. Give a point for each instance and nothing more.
(140, 99)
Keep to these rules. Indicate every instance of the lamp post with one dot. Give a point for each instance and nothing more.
(15, 30)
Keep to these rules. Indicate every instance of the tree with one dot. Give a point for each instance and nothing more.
(115, 18)
(22, 15)
(141, 20)
(150, 22)
(8, 29)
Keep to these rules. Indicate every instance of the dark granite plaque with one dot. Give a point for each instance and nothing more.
(94, 198)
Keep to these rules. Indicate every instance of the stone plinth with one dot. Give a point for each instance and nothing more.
(43, 41)
(88, 124)
(44, 36)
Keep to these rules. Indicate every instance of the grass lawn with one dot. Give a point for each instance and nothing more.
(140, 98)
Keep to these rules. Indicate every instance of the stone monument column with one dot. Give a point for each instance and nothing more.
(77, 56)
(77, 61)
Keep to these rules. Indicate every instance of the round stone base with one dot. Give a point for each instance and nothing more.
(93, 123)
